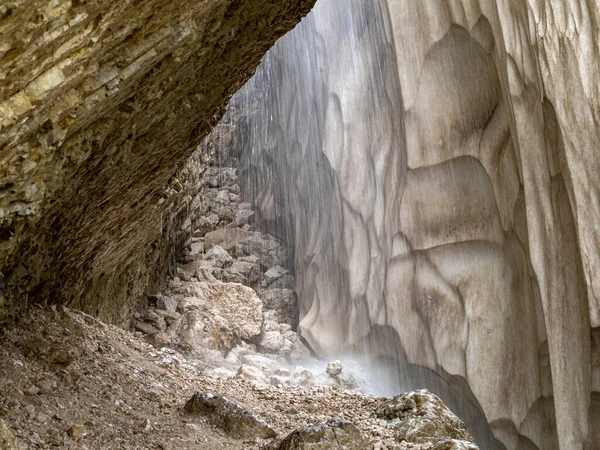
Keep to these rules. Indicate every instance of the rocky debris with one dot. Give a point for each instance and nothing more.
(7, 439)
(235, 420)
(335, 434)
(421, 417)
(118, 384)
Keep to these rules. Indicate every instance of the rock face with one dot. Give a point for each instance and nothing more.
(100, 103)
(433, 165)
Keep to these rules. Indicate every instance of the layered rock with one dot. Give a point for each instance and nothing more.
(100, 103)
(433, 166)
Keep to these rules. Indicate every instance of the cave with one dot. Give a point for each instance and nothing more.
(403, 189)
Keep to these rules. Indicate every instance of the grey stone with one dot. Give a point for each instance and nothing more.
(232, 418)
(274, 273)
(336, 434)
(219, 256)
(334, 368)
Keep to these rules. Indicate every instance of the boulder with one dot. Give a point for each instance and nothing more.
(232, 418)
(217, 315)
(421, 417)
(219, 256)
(334, 368)
(334, 435)
(272, 342)
(274, 273)
(167, 304)
(242, 272)
(206, 224)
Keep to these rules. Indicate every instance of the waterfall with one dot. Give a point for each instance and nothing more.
(392, 173)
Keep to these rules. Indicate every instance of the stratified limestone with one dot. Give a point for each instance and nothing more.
(100, 103)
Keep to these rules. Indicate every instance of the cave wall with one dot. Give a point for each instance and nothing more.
(100, 104)
(434, 166)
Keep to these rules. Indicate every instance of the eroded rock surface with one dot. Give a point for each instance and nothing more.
(439, 195)
(100, 103)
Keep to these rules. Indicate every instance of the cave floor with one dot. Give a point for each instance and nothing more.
(70, 381)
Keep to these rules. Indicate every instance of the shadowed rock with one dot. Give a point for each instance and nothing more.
(236, 421)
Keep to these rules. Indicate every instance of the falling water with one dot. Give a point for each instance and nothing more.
(324, 160)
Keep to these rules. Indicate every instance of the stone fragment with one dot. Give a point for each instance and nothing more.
(306, 378)
(206, 224)
(274, 273)
(346, 381)
(167, 303)
(191, 303)
(334, 435)
(219, 256)
(334, 368)
(196, 247)
(77, 431)
(232, 418)
(251, 373)
(272, 342)
(278, 380)
(242, 272)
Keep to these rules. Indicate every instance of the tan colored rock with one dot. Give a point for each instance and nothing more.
(100, 103)
(7, 439)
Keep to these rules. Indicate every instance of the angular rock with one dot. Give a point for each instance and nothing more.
(232, 418)
(274, 273)
(251, 373)
(334, 368)
(272, 342)
(206, 224)
(334, 435)
(217, 315)
(242, 272)
(422, 417)
(219, 256)
(167, 303)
